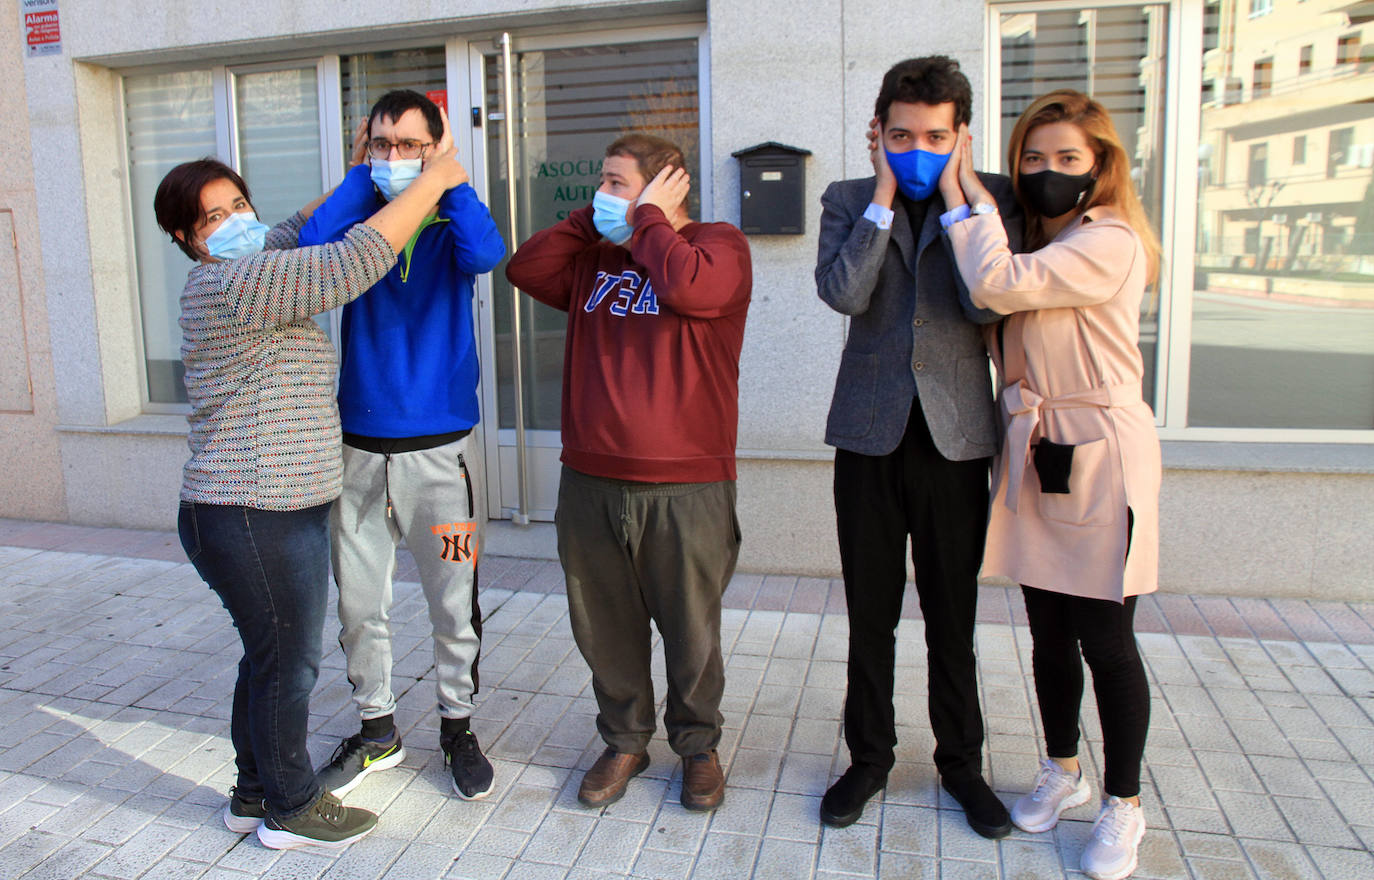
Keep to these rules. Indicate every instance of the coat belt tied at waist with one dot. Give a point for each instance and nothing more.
(1023, 406)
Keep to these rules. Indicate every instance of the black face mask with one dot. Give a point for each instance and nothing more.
(1053, 194)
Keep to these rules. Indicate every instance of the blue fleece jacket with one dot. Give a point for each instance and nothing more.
(408, 356)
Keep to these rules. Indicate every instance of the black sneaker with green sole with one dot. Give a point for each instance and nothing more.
(328, 824)
(355, 758)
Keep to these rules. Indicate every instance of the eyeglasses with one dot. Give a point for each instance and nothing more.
(380, 148)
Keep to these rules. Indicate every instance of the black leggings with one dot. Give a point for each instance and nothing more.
(1059, 625)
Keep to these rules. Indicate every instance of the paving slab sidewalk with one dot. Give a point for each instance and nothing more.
(117, 666)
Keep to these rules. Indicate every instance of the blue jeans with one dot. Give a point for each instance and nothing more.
(270, 568)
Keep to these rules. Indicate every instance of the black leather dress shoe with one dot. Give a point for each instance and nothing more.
(844, 802)
(985, 812)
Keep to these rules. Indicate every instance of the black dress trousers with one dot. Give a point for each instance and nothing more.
(943, 506)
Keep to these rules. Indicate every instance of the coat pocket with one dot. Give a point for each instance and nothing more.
(973, 392)
(856, 392)
(1092, 499)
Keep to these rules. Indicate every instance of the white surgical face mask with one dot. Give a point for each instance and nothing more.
(608, 215)
(238, 236)
(393, 177)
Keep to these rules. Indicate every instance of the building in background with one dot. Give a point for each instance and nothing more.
(1247, 119)
(1284, 267)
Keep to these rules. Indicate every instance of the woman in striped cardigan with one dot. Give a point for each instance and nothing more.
(265, 460)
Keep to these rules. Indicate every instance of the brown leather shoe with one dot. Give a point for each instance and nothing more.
(703, 782)
(605, 783)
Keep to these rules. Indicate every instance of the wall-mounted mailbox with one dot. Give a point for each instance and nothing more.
(772, 189)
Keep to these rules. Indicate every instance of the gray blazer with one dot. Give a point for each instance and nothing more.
(914, 332)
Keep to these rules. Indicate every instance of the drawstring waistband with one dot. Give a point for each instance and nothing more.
(386, 481)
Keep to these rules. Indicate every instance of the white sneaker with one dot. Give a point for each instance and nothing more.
(1111, 853)
(1056, 790)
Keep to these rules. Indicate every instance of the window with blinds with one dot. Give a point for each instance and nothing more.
(365, 78)
(571, 103)
(278, 125)
(169, 119)
(1116, 55)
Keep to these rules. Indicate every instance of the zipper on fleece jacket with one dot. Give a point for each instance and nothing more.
(410, 245)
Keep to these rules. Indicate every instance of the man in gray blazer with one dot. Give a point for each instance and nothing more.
(913, 426)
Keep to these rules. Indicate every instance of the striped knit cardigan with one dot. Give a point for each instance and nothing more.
(260, 373)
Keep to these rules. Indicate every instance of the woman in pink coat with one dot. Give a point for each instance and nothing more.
(1075, 516)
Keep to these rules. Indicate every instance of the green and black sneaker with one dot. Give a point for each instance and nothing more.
(472, 772)
(355, 758)
(243, 815)
(328, 824)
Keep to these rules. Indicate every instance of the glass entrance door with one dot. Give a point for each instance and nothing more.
(542, 149)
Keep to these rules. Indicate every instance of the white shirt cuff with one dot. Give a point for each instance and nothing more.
(954, 215)
(881, 217)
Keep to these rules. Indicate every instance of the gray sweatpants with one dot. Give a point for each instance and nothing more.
(437, 507)
(632, 552)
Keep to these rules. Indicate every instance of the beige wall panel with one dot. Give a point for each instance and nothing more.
(1256, 533)
(787, 87)
(787, 515)
(16, 395)
(31, 484)
(130, 480)
(1343, 544)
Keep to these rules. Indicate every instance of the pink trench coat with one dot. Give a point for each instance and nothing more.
(1071, 372)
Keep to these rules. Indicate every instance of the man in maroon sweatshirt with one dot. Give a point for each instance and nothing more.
(646, 505)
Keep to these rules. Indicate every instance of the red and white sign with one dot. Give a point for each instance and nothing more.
(42, 31)
(440, 97)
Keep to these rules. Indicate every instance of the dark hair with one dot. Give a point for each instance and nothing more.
(651, 154)
(394, 105)
(177, 202)
(931, 79)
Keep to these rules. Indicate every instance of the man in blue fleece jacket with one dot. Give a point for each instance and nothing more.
(408, 403)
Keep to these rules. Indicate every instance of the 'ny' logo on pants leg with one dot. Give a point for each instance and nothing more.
(457, 548)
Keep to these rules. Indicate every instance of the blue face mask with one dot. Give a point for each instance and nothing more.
(608, 214)
(238, 236)
(917, 172)
(393, 177)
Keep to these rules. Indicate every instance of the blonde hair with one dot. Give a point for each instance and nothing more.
(1112, 187)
